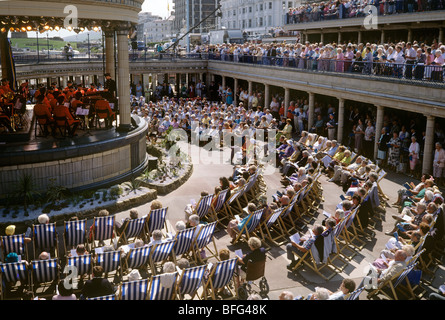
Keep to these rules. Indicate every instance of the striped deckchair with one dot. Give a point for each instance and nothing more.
(74, 234)
(44, 272)
(137, 258)
(45, 238)
(202, 241)
(134, 290)
(82, 263)
(159, 253)
(110, 261)
(203, 206)
(158, 292)
(104, 228)
(354, 295)
(232, 204)
(219, 278)
(250, 226)
(339, 230)
(183, 242)
(190, 281)
(133, 228)
(156, 220)
(271, 230)
(250, 184)
(109, 297)
(15, 243)
(219, 210)
(13, 272)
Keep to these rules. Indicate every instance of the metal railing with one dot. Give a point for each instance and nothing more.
(411, 73)
(304, 17)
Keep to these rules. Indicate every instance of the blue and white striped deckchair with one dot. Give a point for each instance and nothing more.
(219, 205)
(352, 237)
(220, 277)
(249, 186)
(82, 263)
(393, 283)
(159, 253)
(104, 228)
(234, 201)
(110, 261)
(286, 219)
(183, 242)
(354, 295)
(44, 271)
(273, 226)
(203, 207)
(75, 233)
(190, 281)
(250, 226)
(137, 258)
(156, 220)
(134, 290)
(15, 243)
(15, 271)
(158, 292)
(109, 297)
(45, 238)
(133, 229)
(202, 241)
(339, 231)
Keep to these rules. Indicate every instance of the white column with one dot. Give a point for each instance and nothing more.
(378, 128)
(341, 119)
(123, 88)
(286, 100)
(223, 81)
(440, 39)
(428, 148)
(359, 39)
(410, 35)
(310, 118)
(109, 53)
(250, 87)
(339, 37)
(382, 37)
(266, 96)
(235, 86)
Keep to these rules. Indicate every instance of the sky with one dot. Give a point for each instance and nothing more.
(157, 7)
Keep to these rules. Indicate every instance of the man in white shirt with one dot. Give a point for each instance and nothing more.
(439, 163)
(410, 56)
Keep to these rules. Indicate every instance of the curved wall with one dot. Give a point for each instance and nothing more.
(80, 166)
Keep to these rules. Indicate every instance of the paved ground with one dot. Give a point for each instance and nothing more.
(206, 177)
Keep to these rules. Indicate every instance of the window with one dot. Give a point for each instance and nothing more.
(234, 12)
(244, 10)
(250, 23)
(261, 7)
(250, 9)
(261, 22)
(270, 5)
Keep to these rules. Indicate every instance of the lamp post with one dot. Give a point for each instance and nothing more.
(38, 53)
(47, 43)
(89, 55)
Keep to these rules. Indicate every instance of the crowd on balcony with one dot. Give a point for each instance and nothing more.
(335, 9)
(406, 60)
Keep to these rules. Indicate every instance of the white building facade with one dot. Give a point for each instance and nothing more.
(254, 16)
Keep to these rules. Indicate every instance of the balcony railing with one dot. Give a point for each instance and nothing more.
(408, 73)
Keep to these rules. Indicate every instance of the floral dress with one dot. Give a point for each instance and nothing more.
(394, 153)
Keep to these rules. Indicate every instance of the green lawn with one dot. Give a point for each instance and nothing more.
(31, 43)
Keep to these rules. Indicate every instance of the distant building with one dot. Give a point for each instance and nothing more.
(254, 16)
(199, 9)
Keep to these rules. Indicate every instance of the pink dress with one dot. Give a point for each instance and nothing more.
(339, 63)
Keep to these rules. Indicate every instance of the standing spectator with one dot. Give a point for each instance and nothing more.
(414, 151)
(394, 151)
(383, 146)
(439, 163)
(331, 125)
(359, 134)
(368, 140)
(410, 56)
